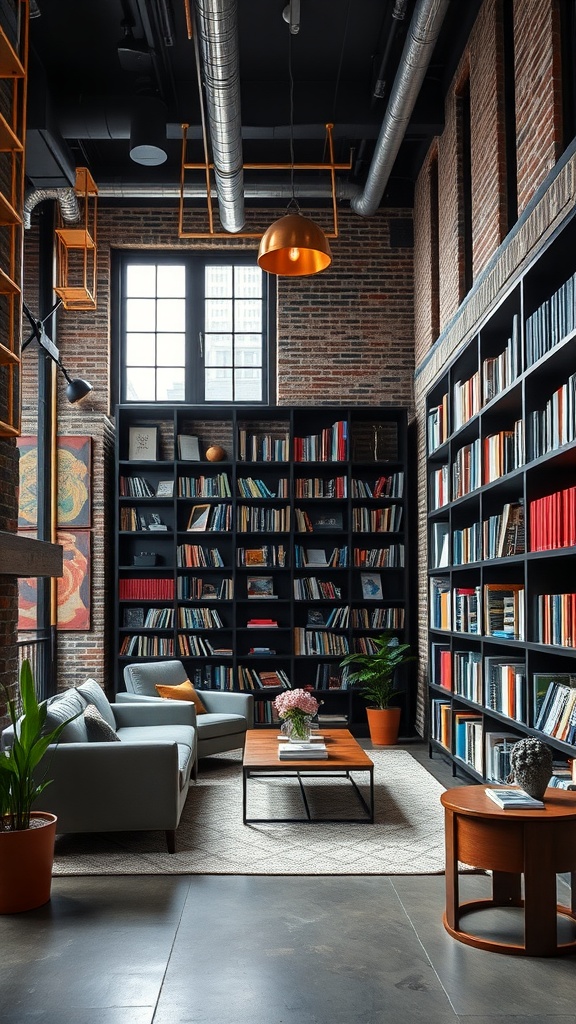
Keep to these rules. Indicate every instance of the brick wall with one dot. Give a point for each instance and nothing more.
(344, 336)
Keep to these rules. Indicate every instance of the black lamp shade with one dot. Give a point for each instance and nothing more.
(77, 389)
(148, 131)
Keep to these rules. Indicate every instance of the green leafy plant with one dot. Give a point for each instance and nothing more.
(375, 674)
(18, 786)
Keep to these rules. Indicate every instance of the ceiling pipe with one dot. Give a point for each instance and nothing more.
(65, 197)
(217, 23)
(416, 55)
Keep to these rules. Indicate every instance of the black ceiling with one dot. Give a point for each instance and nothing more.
(89, 60)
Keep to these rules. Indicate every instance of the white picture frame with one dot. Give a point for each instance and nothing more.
(371, 586)
(143, 444)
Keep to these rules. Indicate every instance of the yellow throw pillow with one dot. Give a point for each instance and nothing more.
(184, 691)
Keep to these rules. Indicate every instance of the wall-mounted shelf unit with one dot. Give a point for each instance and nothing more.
(76, 249)
(266, 568)
(501, 432)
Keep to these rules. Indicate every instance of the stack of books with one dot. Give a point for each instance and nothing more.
(305, 751)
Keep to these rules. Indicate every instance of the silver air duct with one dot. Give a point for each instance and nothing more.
(66, 198)
(416, 55)
(218, 38)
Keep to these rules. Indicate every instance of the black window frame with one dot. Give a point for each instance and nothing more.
(195, 263)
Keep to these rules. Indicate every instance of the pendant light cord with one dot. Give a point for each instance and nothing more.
(293, 202)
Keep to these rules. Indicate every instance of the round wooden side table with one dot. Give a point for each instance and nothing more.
(535, 843)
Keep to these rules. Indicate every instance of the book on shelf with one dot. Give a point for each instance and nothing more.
(513, 798)
(260, 586)
(441, 665)
(498, 748)
(504, 610)
(262, 624)
(328, 719)
(505, 687)
(440, 545)
(188, 448)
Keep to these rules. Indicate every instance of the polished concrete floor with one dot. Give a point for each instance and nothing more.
(266, 950)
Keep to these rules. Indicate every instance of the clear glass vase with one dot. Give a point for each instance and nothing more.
(297, 729)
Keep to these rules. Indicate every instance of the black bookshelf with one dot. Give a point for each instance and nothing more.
(303, 522)
(501, 465)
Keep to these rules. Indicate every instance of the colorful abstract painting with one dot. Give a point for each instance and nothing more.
(73, 588)
(74, 475)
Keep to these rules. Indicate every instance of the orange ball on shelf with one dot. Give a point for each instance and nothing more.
(215, 453)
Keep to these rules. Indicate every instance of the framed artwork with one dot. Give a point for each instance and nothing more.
(198, 517)
(260, 586)
(73, 587)
(74, 500)
(143, 444)
(371, 586)
(165, 489)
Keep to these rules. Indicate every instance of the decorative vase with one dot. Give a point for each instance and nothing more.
(531, 766)
(384, 724)
(297, 729)
(26, 859)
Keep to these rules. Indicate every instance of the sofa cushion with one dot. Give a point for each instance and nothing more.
(61, 707)
(94, 694)
(212, 725)
(182, 735)
(182, 691)
(97, 727)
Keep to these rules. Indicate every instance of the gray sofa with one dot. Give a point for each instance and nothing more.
(117, 767)
(228, 716)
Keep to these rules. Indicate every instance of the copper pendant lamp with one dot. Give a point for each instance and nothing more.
(293, 246)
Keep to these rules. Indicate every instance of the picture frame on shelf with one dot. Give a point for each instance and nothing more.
(133, 617)
(326, 519)
(165, 489)
(188, 448)
(198, 519)
(260, 586)
(209, 591)
(316, 618)
(143, 444)
(371, 586)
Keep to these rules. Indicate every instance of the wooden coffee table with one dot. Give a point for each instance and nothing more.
(345, 755)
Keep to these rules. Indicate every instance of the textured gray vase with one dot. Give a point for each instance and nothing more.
(531, 764)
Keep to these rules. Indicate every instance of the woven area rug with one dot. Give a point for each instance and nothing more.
(406, 839)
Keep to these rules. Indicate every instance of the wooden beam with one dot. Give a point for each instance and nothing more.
(24, 556)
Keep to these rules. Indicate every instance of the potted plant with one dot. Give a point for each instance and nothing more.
(375, 679)
(26, 835)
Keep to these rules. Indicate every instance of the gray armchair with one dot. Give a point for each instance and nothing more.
(228, 715)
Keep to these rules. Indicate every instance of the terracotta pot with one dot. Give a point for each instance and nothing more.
(383, 724)
(26, 860)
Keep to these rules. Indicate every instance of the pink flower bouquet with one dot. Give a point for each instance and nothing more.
(296, 707)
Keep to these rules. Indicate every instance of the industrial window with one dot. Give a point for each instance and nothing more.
(192, 328)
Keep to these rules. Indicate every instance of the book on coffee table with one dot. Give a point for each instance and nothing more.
(302, 751)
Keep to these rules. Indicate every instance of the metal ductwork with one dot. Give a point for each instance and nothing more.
(260, 189)
(416, 55)
(65, 197)
(218, 37)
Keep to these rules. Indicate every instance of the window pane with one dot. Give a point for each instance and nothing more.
(218, 315)
(140, 349)
(218, 385)
(247, 282)
(171, 281)
(248, 350)
(140, 280)
(171, 350)
(218, 349)
(171, 315)
(248, 385)
(218, 282)
(248, 315)
(170, 384)
(140, 385)
(140, 314)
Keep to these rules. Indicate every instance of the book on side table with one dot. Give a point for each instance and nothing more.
(513, 798)
(302, 751)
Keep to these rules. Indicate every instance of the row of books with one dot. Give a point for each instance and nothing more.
(437, 428)
(466, 475)
(504, 452)
(193, 556)
(498, 372)
(139, 646)
(133, 519)
(377, 618)
(555, 424)
(259, 519)
(251, 487)
(377, 520)
(212, 518)
(268, 556)
(196, 588)
(390, 557)
(199, 646)
(212, 677)
(495, 608)
(258, 447)
(466, 399)
(251, 679)
(138, 589)
(330, 445)
(309, 588)
(462, 733)
(204, 486)
(331, 677)
(557, 713)
(135, 487)
(495, 683)
(318, 557)
(556, 619)
(553, 520)
(551, 321)
(318, 487)
(384, 487)
(499, 536)
(309, 641)
(199, 618)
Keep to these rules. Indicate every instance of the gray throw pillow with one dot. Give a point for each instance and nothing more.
(62, 707)
(93, 693)
(97, 727)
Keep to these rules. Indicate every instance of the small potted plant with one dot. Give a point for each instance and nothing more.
(26, 835)
(375, 680)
